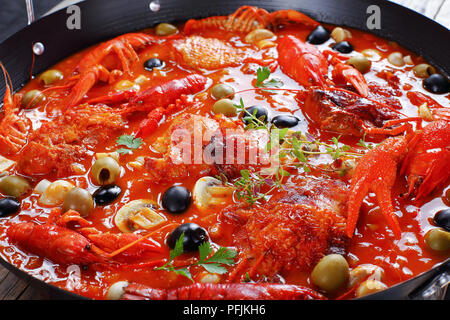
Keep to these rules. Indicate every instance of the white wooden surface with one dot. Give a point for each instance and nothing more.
(438, 10)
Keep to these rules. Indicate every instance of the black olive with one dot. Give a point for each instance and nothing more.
(442, 219)
(107, 194)
(176, 199)
(153, 63)
(318, 36)
(9, 206)
(194, 236)
(261, 113)
(343, 47)
(436, 83)
(285, 121)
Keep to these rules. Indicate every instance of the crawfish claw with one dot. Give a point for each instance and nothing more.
(376, 172)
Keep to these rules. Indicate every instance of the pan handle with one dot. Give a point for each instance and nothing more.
(436, 289)
(30, 11)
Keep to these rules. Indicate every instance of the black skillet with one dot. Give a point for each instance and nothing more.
(103, 19)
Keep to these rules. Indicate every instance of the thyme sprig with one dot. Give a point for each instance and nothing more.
(295, 149)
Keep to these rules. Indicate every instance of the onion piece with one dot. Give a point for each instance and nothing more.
(42, 186)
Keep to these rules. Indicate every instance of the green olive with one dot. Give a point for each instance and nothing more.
(424, 70)
(14, 186)
(225, 107)
(32, 98)
(360, 62)
(165, 29)
(222, 90)
(79, 200)
(438, 239)
(105, 171)
(51, 76)
(331, 273)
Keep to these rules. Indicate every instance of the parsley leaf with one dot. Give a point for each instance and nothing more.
(273, 83)
(204, 251)
(178, 249)
(262, 74)
(214, 268)
(123, 151)
(183, 272)
(129, 141)
(223, 256)
(214, 264)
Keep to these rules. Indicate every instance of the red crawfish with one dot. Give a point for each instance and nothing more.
(225, 291)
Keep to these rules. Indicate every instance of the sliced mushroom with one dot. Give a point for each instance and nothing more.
(138, 214)
(209, 191)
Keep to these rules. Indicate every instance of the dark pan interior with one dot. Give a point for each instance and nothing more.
(103, 19)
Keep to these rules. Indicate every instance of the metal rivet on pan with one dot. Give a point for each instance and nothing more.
(155, 5)
(38, 48)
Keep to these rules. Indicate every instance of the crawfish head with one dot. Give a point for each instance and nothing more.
(302, 61)
(59, 244)
(343, 111)
(428, 158)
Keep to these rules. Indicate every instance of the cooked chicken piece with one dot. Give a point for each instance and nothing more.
(206, 53)
(61, 143)
(198, 146)
(339, 111)
(293, 230)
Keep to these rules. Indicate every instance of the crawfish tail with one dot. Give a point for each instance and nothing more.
(167, 93)
(228, 291)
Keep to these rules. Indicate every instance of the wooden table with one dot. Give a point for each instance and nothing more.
(13, 288)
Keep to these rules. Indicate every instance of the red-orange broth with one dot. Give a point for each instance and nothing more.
(373, 242)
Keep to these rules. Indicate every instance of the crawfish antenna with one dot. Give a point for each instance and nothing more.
(8, 82)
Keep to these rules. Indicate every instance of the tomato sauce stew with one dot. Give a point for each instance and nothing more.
(251, 156)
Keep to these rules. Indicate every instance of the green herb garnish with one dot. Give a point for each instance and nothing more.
(295, 150)
(213, 264)
(129, 141)
(262, 74)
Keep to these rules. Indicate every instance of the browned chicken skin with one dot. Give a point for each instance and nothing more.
(294, 229)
